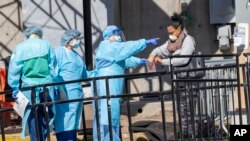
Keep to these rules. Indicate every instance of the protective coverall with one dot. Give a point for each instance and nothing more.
(112, 58)
(70, 67)
(33, 61)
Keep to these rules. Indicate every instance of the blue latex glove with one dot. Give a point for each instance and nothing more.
(14, 95)
(152, 41)
(144, 60)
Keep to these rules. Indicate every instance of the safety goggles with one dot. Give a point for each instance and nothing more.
(117, 31)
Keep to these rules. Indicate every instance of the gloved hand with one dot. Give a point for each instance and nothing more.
(144, 61)
(152, 41)
(14, 95)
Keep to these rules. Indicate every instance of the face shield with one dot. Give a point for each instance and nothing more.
(119, 32)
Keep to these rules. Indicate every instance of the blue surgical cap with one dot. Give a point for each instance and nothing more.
(33, 30)
(109, 31)
(69, 35)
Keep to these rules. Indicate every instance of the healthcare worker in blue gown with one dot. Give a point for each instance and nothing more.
(113, 56)
(70, 67)
(33, 61)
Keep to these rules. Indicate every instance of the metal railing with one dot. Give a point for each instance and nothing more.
(215, 101)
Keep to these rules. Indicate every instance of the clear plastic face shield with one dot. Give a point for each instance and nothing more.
(118, 32)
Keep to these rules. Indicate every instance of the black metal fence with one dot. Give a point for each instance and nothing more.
(202, 108)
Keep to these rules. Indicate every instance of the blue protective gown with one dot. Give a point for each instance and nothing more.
(70, 67)
(34, 62)
(112, 58)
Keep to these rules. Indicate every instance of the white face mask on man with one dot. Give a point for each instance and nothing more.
(76, 43)
(172, 38)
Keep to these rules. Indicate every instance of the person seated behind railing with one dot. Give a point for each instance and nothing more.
(33, 61)
(179, 43)
(70, 67)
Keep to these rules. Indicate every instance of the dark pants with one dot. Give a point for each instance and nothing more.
(67, 136)
(41, 119)
(41, 126)
(186, 109)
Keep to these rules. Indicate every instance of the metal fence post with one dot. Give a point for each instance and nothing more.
(97, 118)
(162, 107)
(109, 108)
(34, 111)
(84, 124)
(45, 109)
(129, 112)
(2, 124)
(238, 88)
(248, 89)
(191, 106)
(173, 98)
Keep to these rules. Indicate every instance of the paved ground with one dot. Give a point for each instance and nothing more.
(149, 112)
(125, 133)
(124, 124)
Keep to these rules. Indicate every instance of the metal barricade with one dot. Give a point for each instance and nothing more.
(209, 104)
(219, 101)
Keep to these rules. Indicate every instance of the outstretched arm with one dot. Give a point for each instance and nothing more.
(129, 48)
(132, 62)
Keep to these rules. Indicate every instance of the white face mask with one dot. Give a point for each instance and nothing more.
(76, 43)
(118, 38)
(172, 37)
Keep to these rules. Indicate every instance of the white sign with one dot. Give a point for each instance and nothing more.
(241, 35)
(20, 104)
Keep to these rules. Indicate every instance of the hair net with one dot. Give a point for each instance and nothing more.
(33, 30)
(69, 35)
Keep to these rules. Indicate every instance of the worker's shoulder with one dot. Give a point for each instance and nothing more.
(42, 41)
(59, 51)
(104, 43)
(22, 44)
(29, 44)
(189, 38)
(34, 41)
